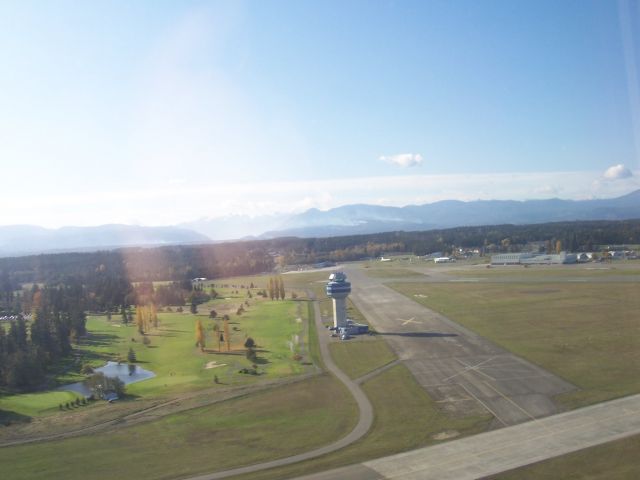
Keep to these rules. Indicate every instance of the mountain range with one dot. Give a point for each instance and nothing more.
(29, 239)
(345, 220)
(363, 219)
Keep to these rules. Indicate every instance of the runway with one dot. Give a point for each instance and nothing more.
(504, 449)
(462, 371)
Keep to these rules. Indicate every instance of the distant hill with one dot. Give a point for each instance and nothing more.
(364, 219)
(346, 220)
(28, 239)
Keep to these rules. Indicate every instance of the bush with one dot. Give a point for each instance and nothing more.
(86, 369)
(251, 355)
(100, 384)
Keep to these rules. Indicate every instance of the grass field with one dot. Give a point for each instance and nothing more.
(406, 418)
(377, 272)
(625, 268)
(35, 404)
(276, 326)
(587, 333)
(358, 357)
(615, 460)
(267, 425)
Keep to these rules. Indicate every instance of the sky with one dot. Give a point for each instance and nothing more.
(162, 112)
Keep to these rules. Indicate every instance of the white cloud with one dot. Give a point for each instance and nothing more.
(403, 159)
(617, 172)
(546, 190)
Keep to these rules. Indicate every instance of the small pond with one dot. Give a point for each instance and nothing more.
(113, 369)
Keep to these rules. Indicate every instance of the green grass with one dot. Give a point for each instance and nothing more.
(314, 346)
(587, 333)
(591, 270)
(391, 273)
(359, 357)
(172, 355)
(615, 460)
(406, 418)
(267, 425)
(35, 404)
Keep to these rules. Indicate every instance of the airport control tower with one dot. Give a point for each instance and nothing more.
(338, 288)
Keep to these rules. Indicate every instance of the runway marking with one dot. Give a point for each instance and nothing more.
(467, 368)
(485, 406)
(411, 320)
(509, 400)
(475, 369)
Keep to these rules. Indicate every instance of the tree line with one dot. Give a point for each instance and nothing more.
(29, 349)
(111, 275)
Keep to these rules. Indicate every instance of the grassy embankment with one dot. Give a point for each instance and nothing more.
(587, 333)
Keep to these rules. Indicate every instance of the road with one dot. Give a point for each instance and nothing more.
(464, 372)
(362, 427)
(504, 449)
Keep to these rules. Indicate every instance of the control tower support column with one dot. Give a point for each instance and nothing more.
(338, 289)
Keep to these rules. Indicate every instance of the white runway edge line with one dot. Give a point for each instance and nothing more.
(507, 448)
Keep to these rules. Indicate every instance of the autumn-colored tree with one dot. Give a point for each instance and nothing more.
(558, 246)
(200, 336)
(140, 319)
(281, 288)
(227, 337)
(154, 316)
(216, 332)
(271, 288)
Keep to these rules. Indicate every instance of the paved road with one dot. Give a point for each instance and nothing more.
(504, 449)
(362, 427)
(466, 373)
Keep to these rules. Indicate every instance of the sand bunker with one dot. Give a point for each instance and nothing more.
(214, 364)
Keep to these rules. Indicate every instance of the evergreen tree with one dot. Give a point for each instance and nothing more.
(131, 355)
(200, 335)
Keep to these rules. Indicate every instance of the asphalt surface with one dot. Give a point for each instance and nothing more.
(362, 427)
(499, 450)
(462, 371)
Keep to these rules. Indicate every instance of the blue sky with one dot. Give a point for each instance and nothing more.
(158, 112)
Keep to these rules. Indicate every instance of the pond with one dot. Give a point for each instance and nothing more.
(113, 369)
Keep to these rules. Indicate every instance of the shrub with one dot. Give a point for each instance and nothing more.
(251, 355)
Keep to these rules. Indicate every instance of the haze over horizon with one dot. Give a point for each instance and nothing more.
(162, 113)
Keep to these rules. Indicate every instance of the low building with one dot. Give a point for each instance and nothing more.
(444, 260)
(353, 328)
(526, 258)
(510, 258)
